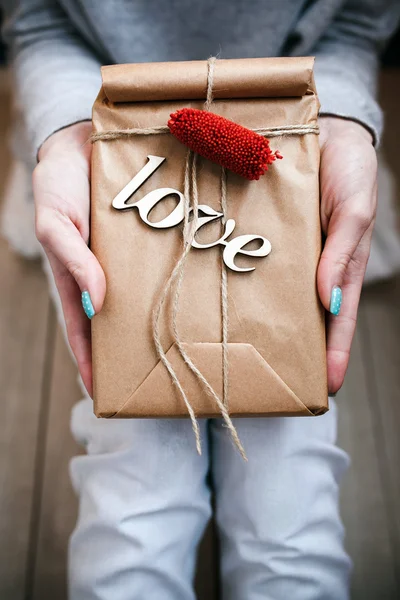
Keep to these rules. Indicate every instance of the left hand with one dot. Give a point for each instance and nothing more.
(61, 185)
(348, 205)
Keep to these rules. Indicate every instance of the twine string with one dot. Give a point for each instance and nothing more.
(177, 274)
(270, 132)
(210, 82)
(191, 191)
(224, 296)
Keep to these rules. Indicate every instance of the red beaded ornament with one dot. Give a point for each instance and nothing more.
(222, 141)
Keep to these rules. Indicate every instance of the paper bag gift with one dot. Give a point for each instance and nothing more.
(261, 347)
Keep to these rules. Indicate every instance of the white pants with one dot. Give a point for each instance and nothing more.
(144, 501)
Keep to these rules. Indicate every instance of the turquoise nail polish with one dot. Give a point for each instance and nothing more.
(87, 305)
(336, 300)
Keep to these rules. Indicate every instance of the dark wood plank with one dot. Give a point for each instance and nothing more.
(382, 342)
(58, 507)
(24, 315)
(24, 311)
(363, 504)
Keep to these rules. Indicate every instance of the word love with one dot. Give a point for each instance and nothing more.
(146, 204)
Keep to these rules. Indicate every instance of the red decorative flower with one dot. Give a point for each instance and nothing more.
(222, 141)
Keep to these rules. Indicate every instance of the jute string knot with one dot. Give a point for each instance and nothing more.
(176, 276)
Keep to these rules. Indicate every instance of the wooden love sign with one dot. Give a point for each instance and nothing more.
(231, 248)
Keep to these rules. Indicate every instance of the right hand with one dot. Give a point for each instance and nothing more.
(61, 185)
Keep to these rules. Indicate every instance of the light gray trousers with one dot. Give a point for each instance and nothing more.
(145, 501)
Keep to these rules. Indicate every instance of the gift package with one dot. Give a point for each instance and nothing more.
(209, 243)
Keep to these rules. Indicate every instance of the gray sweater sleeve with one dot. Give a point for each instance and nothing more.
(57, 77)
(347, 61)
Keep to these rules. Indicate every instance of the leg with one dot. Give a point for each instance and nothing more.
(144, 504)
(281, 535)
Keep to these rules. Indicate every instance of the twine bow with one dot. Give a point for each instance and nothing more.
(176, 277)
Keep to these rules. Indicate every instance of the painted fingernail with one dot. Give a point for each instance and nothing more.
(87, 305)
(336, 300)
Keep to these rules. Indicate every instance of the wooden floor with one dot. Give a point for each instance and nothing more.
(38, 387)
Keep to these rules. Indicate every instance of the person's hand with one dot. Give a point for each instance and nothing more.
(348, 205)
(61, 184)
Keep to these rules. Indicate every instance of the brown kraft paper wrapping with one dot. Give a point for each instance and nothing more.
(276, 343)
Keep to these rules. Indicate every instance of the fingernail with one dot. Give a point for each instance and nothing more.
(336, 300)
(87, 305)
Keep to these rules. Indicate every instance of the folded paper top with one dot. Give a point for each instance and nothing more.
(233, 78)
